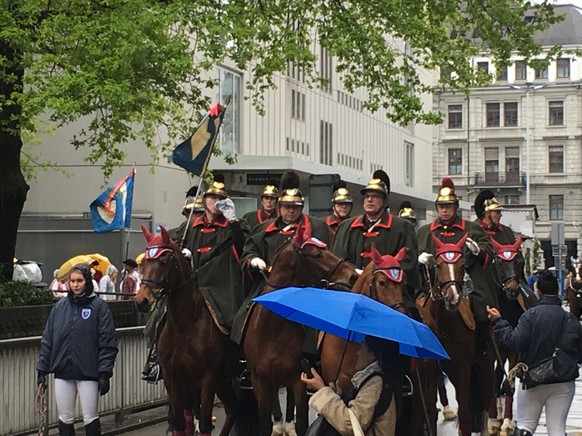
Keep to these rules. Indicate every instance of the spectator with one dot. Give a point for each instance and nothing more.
(539, 331)
(107, 284)
(372, 401)
(79, 346)
(58, 287)
(131, 279)
(531, 280)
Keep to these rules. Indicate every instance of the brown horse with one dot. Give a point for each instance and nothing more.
(508, 265)
(383, 280)
(197, 360)
(447, 310)
(574, 286)
(272, 345)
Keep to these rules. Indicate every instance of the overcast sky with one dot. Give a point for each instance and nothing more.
(569, 2)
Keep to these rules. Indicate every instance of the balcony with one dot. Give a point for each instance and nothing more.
(507, 179)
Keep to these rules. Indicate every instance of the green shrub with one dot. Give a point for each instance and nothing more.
(23, 294)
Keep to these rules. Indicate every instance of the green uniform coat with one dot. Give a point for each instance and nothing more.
(257, 217)
(476, 266)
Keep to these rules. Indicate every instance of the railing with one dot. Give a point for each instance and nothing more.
(18, 382)
(508, 178)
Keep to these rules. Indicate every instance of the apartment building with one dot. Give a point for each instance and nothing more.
(521, 136)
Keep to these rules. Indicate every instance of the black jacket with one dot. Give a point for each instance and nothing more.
(79, 341)
(539, 331)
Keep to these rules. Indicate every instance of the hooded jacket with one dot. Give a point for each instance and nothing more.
(79, 341)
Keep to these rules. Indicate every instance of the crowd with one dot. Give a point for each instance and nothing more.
(230, 254)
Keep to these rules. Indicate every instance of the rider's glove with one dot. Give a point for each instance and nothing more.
(258, 263)
(103, 384)
(226, 206)
(472, 246)
(425, 258)
(187, 253)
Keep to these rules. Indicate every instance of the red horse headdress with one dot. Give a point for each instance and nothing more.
(450, 253)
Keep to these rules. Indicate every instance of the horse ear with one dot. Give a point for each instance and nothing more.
(517, 243)
(497, 246)
(462, 241)
(376, 256)
(437, 242)
(165, 235)
(299, 237)
(401, 253)
(147, 234)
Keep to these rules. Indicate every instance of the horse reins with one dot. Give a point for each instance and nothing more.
(163, 285)
(374, 295)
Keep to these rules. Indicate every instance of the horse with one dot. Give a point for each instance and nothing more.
(383, 280)
(508, 265)
(273, 346)
(447, 311)
(197, 360)
(574, 286)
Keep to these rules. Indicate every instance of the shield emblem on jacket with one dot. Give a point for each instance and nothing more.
(86, 312)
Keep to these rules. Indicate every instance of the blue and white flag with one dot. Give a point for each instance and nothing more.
(112, 209)
(194, 153)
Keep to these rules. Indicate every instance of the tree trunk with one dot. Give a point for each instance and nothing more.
(13, 186)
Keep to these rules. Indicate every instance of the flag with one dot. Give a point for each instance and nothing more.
(194, 153)
(112, 209)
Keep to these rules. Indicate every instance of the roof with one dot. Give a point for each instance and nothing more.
(567, 31)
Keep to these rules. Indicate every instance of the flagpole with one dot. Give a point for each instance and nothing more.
(198, 192)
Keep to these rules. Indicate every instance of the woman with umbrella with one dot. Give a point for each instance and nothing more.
(371, 405)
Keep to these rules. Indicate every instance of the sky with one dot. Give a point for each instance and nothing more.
(569, 2)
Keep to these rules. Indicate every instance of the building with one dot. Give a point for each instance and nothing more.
(313, 131)
(528, 122)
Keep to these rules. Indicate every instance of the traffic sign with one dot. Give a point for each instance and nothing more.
(559, 250)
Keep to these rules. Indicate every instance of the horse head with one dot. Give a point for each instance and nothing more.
(575, 274)
(164, 268)
(384, 279)
(307, 261)
(450, 271)
(509, 263)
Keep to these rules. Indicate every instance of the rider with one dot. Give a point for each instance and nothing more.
(192, 203)
(489, 212)
(268, 208)
(342, 204)
(354, 237)
(215, 243)
(407, 212)
(449, 228)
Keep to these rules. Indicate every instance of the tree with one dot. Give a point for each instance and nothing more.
(132, 67)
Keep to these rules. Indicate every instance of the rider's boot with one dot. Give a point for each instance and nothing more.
(520, 432)
(66, 429)
(151, 372)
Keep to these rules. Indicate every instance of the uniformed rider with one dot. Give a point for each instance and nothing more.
(354, 237)
(449, 228)
(342, 204)
(406, 212)
(268, 209)
(192, 209)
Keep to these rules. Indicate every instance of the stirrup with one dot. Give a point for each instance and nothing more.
(407, 387)
(153, 376)
(244, 381)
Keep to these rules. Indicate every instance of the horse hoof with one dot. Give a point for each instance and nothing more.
(289, 429)
(493, 426)
(278, 429)
(507, 427)
(449, 414)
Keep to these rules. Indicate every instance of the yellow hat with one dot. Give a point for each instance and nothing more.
(447, 193)
(290, 193)
(217, 187)
(406, 211)
(486, 202)
(270, 191)
(199, 205)
(380, 183)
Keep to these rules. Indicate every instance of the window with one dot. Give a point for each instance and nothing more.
(325, 142)
(325, 69)
(297, 105)
(520, 70)
(229, 85)
(408, 173)
(483, 66)
(493, 115)
(563, 68)
(556, 113)
(541, 73)
(455, 161)
(502, 74)
(455, 116)
(556, 207)
(556, 158)
(492, 165)
(512, 164)
(512, 199)
(510, 114)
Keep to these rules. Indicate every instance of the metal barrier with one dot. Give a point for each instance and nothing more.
(18, 382)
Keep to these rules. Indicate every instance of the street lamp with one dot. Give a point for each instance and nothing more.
(529, 86)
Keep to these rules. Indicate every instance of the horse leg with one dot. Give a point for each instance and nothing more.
(289, 426)
(301, 403)
(278, 429)
(226, 394)
(448, 412)
(207, 392)
(264, 392)
(460, 377)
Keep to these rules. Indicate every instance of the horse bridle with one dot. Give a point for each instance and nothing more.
(374, 294)
(162, 286)
(442, 286)
(501, 281)
(578, 292)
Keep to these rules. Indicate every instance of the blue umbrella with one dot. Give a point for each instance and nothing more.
(352, 316)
